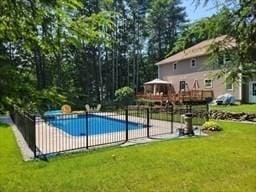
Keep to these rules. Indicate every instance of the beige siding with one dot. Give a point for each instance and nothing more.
(184, 72)
(183, 67)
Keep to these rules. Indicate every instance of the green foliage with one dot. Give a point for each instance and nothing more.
(37, 49)
(165, 18)
(211, 126)
(145, 102)
(124, 96)
(236, 20)
(207, 28)
(88, 49)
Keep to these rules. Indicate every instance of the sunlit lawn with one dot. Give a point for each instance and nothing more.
(251, 108)
(225, 161)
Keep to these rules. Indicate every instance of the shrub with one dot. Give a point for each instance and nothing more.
(145, 102)
(211, 126)
(124, 96)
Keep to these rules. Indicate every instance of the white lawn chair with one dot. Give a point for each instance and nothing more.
(87, 108)
(98, 107)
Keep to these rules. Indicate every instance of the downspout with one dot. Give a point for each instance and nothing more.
(240, 87)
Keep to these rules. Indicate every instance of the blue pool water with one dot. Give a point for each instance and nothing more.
(76, 126)
(53, 112)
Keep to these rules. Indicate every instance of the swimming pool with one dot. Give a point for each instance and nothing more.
(53, 113)
(76, 126)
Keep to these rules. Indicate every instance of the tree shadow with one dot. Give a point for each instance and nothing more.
(3, 125)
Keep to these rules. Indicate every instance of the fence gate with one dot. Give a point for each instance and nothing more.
(161, 121)
(138, 122)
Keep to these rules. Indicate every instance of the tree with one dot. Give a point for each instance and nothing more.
(36, 49)
(242, 27)
(203, 29)
(83, 50)
(124, 96)
(165, 20)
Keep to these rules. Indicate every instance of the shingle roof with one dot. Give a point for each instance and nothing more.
(197, 50)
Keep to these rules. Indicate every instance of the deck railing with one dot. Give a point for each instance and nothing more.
(181, 97)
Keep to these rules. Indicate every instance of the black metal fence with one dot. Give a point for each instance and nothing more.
(55, 133)
(26, 124)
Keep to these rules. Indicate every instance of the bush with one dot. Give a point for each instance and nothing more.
(124, 96)
(211, 126)
(145, 102)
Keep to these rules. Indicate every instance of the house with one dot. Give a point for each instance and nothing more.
(188, 70)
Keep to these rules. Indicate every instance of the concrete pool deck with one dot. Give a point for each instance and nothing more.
(50, 139)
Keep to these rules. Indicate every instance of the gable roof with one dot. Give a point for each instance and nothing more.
(197, 50)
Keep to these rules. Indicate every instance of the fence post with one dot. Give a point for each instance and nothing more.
(172, 118)
(207, 112)
(34, 135)
(148, 122)
(86, 129)
(126, 125)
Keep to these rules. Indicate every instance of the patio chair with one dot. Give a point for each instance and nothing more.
(98, 107)
(87, 108)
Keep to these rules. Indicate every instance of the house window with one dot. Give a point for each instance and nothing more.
(174, 66)
(208, 83)
(193, 63)
(229, 86)
(227, 58)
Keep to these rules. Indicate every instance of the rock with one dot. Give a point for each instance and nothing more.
(241, 116)
(244, 118)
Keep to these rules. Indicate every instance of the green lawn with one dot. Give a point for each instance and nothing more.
(225, 161)
(251, 108)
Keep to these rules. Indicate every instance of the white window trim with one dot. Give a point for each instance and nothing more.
(208, 87)
(173, 67)
(231, 88)
(225, 59)
(195, 63)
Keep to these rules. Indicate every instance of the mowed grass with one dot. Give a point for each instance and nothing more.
(225, 161)
(250, 108)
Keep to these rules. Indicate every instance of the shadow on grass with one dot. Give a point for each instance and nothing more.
(3, 125)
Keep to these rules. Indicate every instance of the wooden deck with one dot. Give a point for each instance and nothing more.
(192, 96)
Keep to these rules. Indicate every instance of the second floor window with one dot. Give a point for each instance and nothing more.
(193, 63)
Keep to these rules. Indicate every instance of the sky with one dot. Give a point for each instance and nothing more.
(194, 13)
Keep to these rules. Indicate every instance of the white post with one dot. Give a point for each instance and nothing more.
(158, 72)
(154, 91)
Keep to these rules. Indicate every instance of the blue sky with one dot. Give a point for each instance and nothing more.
(194, 13)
